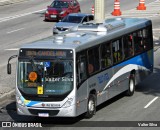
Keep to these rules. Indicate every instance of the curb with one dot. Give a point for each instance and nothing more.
(7, 95)
(7, 2)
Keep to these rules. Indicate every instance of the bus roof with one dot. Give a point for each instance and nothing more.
(90, 34)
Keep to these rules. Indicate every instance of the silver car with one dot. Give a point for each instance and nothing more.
(71, 20)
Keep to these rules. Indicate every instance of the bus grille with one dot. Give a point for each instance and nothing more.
(50, 112)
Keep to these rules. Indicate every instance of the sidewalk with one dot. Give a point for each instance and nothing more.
(7, 2)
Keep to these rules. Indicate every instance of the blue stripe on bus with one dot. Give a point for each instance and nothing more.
(32, 103)
(28, 103)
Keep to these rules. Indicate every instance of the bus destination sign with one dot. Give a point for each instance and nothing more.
(46, 53)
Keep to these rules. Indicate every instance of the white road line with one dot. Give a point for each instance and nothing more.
(155, 38)
(15, 30)
(151, 102)
(12, 49)
(3, 0)
(156, 29)
(20, 15)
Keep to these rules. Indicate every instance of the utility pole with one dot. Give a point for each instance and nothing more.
(99, 11)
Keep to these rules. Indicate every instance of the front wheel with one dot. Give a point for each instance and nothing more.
(91, 106)
(131, 85)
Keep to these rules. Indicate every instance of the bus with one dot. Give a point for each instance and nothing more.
(70, 74)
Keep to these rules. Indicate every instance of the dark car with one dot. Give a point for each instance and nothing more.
(70, 21)
(60, 8)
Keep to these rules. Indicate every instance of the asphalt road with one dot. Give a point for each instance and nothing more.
(17, 29)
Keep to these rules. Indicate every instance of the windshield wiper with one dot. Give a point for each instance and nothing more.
(31, 59)
(37, 68)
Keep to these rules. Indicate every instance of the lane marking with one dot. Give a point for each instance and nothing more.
(3, 0)
(151, 102)
(12, 49)
(155, 38)
(15, 30)
(18, 16)
(156, 29)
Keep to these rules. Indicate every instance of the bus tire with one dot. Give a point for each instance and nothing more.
(131, 85)
(91, 106)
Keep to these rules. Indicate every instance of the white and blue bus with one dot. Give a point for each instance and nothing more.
(72, 73)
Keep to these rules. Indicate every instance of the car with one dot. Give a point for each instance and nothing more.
(61, 8)
(70, 21)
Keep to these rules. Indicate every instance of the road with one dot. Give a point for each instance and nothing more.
(23, 22)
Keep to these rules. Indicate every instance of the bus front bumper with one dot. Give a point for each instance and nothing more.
(47, 112)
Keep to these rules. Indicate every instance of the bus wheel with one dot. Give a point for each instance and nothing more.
(91, 106)
(131, 85)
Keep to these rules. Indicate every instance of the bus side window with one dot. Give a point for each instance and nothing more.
(93, 60)
(128, 46)
(147, 38)
(106, 59)
(81, 68)
(138, 42)
(117, 51)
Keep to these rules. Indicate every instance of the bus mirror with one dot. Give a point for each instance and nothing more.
(9, 65)
(9, 68)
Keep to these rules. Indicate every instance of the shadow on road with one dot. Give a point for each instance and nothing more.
(56, 121)
(50, 121)
(150, 85)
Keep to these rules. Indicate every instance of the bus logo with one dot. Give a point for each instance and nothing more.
(103, 78)
(43, 105)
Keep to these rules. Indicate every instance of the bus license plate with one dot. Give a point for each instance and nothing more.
(43, 114)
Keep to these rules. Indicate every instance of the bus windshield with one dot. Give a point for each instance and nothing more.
(47, 77)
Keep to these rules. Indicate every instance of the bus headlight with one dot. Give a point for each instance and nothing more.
(68, 103)
(20, 102)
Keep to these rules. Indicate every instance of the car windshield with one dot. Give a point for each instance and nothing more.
(72, 19)
(59, 4)
(50, 77)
